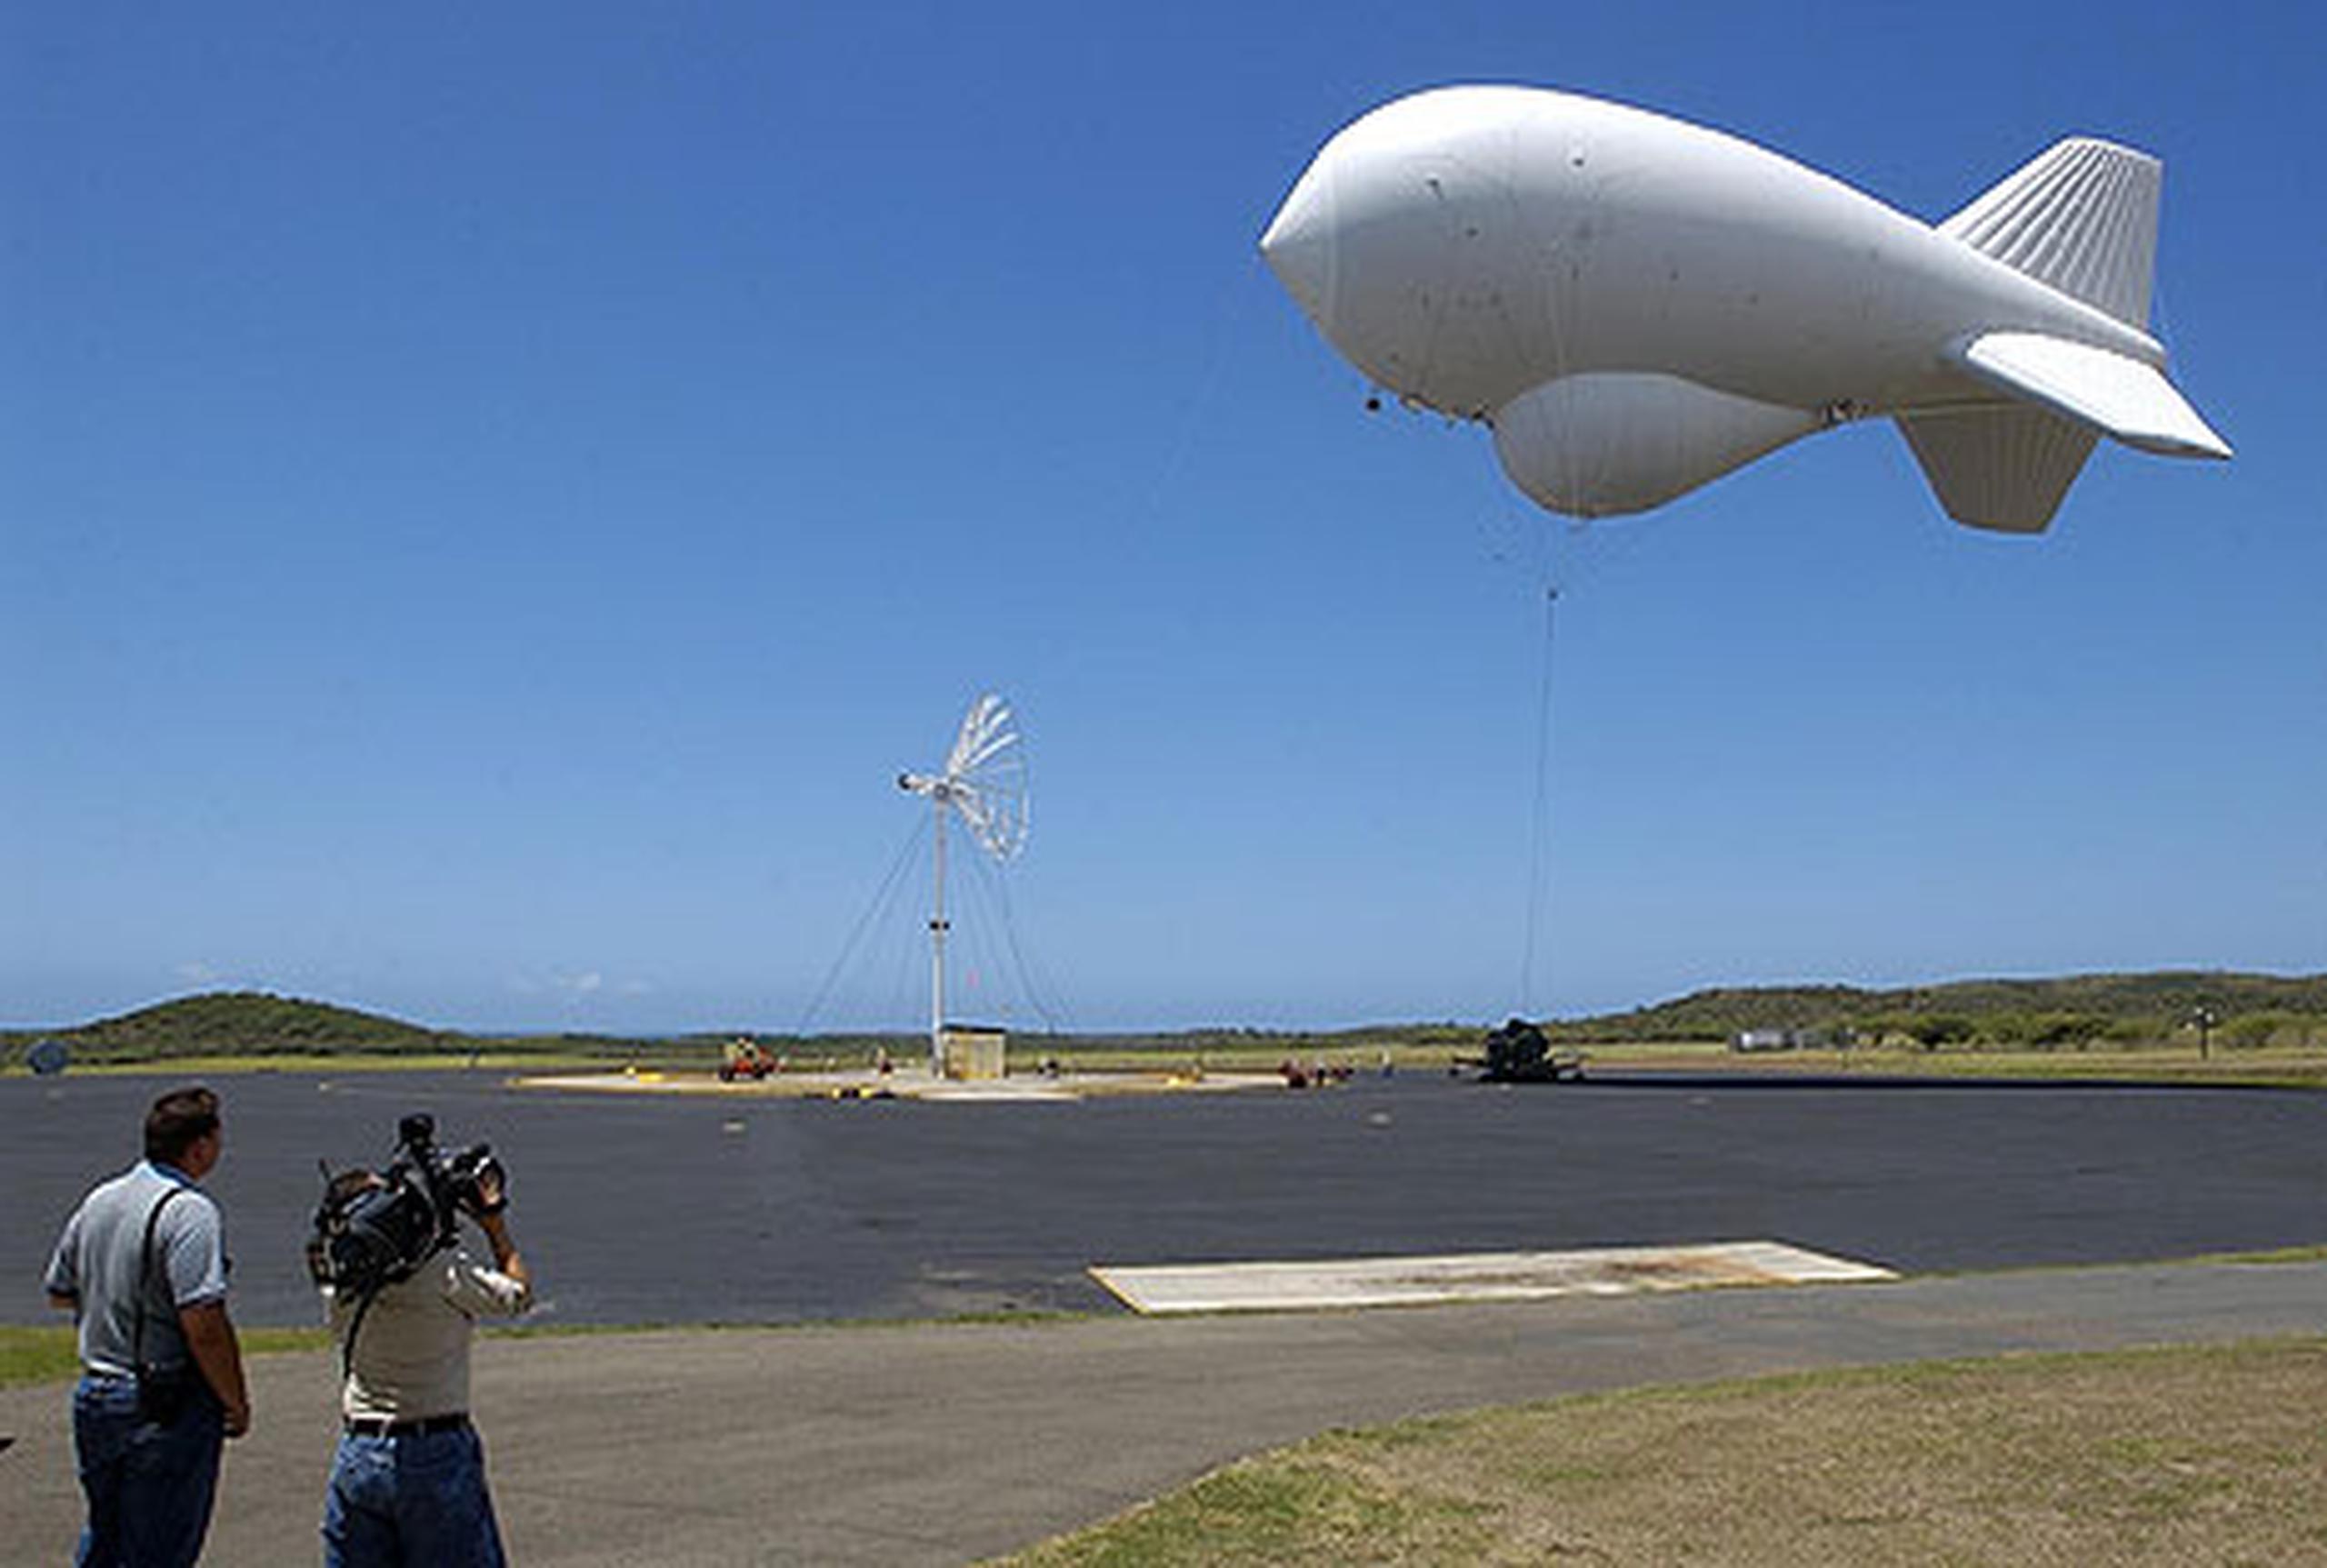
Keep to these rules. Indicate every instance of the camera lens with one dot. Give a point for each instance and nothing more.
(389, 1231)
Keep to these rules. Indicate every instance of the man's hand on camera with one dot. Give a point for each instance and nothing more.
(491, 1194)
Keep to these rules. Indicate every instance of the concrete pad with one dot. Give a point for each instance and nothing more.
(901, 1084)
(1472, 1277)
(648, 1081)
(995, 1092)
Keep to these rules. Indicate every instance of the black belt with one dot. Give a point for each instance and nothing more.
(381, 1426)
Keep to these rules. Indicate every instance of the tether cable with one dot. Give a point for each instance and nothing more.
(1540, 829)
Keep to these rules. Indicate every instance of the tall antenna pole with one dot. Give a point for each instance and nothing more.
(937, 800)
(986, 781)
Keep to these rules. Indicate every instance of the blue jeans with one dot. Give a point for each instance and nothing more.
(417, 1501)
(149, 1487)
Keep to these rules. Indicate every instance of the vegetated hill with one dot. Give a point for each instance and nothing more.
(2133, 1009)
(249, 1024)
(2127, 1006)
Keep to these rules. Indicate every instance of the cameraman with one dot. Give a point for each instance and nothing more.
(407, 1483)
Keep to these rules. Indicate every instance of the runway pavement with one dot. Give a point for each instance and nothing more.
(746, 1210)
(943, 1444)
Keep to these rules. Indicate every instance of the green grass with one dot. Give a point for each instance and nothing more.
(998, 1317)
(2271, 1068)
(1293, 1511)
(36, 1355)
(47, 1353)
(2190, 1456)
(2310, 1255)
(191, 1068)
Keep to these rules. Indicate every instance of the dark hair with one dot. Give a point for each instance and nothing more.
(179, 1119)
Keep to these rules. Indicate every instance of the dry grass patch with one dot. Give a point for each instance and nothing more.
(2197, 1458)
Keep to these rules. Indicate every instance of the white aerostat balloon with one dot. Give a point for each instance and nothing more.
(1637, 305)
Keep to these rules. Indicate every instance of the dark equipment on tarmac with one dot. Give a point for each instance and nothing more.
(746, 1058)
(1520, 1053)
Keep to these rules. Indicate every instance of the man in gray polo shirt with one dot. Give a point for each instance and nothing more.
(141, 1267)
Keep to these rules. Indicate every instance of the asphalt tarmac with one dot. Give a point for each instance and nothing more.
(651, 1210)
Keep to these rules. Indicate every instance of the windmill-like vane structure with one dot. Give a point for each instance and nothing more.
(984, 785)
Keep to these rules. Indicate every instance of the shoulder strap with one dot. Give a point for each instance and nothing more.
(144, 1269)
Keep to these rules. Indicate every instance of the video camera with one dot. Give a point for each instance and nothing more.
(374, 1228)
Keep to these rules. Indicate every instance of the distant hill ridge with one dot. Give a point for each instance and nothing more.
(253, 1022)
(2034, 1012)
(2161, 1000)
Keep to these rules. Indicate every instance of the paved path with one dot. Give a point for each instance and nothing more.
(942, 1444)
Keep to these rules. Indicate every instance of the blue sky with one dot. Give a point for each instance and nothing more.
(489, 502)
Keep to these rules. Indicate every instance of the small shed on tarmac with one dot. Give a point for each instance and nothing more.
(972, 1050)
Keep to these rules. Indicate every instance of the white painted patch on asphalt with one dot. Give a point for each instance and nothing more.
(993, 1091)
(1472, 1277)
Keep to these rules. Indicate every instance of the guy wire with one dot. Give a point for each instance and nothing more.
(881, 898)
